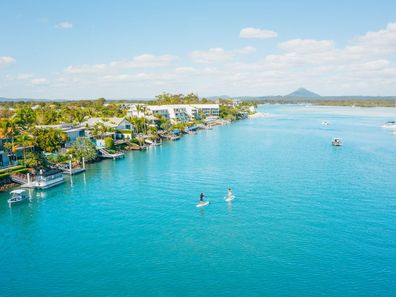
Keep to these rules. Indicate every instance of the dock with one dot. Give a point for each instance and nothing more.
(107, 155)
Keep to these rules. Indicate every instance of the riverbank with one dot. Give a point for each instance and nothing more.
(6, 183)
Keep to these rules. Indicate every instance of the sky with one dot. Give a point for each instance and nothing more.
(139, 49)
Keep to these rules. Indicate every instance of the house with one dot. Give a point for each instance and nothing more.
(122, 127)
(7, 158)
(4, 159)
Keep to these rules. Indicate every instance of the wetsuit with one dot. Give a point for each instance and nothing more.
(201, 197)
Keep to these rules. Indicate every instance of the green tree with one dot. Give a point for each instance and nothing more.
(24, 140)
(36, 160)
(109, 143)
(49, 140)
(84, 148)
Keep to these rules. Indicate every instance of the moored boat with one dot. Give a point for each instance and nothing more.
(18, 196)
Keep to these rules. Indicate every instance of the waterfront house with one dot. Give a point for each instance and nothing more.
(4, 159)
(122, 127)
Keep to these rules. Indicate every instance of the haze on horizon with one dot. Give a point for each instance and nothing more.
(130, 49)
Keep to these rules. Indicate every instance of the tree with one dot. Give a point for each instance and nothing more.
(24, 117)
(84, 148)
(36, 160)
(49, 140)
(109, 143)
(24, 140)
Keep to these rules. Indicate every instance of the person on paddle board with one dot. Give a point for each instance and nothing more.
(201, 197)
(229, 193)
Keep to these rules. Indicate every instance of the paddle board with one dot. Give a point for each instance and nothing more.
(228, 199)
(202, 204)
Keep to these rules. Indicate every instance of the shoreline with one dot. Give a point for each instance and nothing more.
(9, 184)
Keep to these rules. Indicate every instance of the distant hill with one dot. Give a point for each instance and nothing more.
(302, 92)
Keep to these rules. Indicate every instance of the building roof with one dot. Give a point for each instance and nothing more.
(108, 122)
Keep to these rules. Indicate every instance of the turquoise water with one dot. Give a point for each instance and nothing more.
(309, 219)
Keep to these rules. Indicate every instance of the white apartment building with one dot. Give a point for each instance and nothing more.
(179, 112)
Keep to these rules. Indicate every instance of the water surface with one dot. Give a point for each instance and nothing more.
(309, 219)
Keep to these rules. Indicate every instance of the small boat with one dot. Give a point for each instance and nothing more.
(18, 196)
(148, 141)
(325, 123)
(337, 142)
(389, 125)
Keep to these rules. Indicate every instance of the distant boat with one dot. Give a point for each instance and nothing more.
(389, 125)
(325, 123)
(337, 142)
(18, 196)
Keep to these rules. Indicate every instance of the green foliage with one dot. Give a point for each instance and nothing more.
(49, 140)
(139, 124)
(36, 160)
(166, 98)
(228, 113)
(84, 148)
(59, 158)
(180, 126)
(109, 143)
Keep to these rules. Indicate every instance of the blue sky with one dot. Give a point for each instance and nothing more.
(132, 49)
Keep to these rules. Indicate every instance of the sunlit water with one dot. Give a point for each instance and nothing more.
(309, 219)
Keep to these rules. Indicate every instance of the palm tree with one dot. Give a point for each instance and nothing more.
(25, 141)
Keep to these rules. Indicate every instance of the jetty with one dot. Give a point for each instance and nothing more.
(107, 155)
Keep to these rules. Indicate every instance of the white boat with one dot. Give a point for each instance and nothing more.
(148, 141)
(46, 180)
(18, 196)
(389, 125)
(337, 142)
(325, 123)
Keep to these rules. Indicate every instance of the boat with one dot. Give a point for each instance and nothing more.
(389, 125)
(337, 142)
(45, 179)
(18, 196)
(325, 123)
(148, 141)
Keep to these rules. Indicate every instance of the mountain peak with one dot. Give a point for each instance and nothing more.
(302, 92)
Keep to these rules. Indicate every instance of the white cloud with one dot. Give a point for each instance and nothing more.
(141, 61)
(366, 65)
(217, 55)
(246, 50)
(39, 81)
(5, 61)
(307, 46)
(86, 68)
(64, 25)
(257, 33)
(21, 76)
(146, 61)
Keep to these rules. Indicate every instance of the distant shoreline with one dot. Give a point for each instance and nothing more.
(351, 103)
